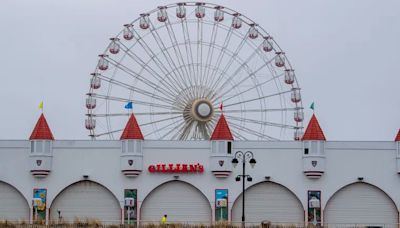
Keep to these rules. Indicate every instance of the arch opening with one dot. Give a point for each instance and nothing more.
(269, 201)
(86, 200)
(180, 201)
(13, 205)
(363, 204)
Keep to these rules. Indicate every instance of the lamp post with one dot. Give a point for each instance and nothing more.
(244, 157)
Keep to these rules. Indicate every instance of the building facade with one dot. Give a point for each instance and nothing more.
(138, 180)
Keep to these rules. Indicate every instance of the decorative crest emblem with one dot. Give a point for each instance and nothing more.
(38, 162)
(221, 162)
(314, 163)
(130, 162)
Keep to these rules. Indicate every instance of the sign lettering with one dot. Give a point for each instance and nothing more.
(176, 168)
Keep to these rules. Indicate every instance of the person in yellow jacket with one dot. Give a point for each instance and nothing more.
(164, 220)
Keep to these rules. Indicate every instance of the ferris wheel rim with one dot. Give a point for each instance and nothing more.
(248, 21)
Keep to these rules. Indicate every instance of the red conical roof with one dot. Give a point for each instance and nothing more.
(132, 129)
(397, 139)
(222, 131)
(314, 131)
(42, 130)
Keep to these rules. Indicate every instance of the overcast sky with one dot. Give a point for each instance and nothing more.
(346, 55)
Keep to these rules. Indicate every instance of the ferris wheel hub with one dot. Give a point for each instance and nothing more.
(202, 110)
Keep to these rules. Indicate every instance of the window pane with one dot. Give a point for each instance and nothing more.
(221, 147)
(138, 146)
(39, 146)
(130, 146)
(214, 147)
(47, 146)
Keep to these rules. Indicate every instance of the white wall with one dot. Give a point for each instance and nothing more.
(282, 161)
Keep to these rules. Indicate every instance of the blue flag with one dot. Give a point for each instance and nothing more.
(129, 105)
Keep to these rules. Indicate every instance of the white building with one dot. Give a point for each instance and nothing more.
(353, 182)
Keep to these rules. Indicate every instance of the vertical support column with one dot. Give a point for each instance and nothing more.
(122, 215)
(306, 217)
(213, 219)
(47, 215)
(30, 214)
(138, 209)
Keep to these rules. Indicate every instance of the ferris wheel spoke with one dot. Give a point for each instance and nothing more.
(140, 78)
(120, 99)
(200, 50)
(252, 74)
(220, 85)
(134, 89)
(251, 131)
(186, 129)
(177, 123)
(257, 110)
(188, 48)
(238, 135)
(210, 54)
(164, 52)
(136, 114)
(229, 63)
(145, 67)
(154, 57)
(209, 129)
(165, 127)
(161, 120)
(258, 98)
(202, 131)
(177, 50)
(167, 56)
(266, 123)
(221, 54)
(107, 133)
(254, 87)
(178, 131)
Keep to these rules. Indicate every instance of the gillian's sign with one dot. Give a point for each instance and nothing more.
(176, 168)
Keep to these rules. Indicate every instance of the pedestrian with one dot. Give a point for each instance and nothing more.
(164, 220)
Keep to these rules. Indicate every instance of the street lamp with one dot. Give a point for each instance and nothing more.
(244, 157)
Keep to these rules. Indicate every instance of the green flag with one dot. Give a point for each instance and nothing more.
(312, 106)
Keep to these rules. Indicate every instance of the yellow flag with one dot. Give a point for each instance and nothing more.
(41, 105)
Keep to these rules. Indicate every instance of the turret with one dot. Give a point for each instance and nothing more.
(313, 150)
(132, 148)
(41, 153)
(397, 141)
(221, 149)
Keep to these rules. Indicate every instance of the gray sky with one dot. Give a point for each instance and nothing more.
(345, 54)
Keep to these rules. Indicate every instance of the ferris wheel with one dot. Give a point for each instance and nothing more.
(183, 65)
